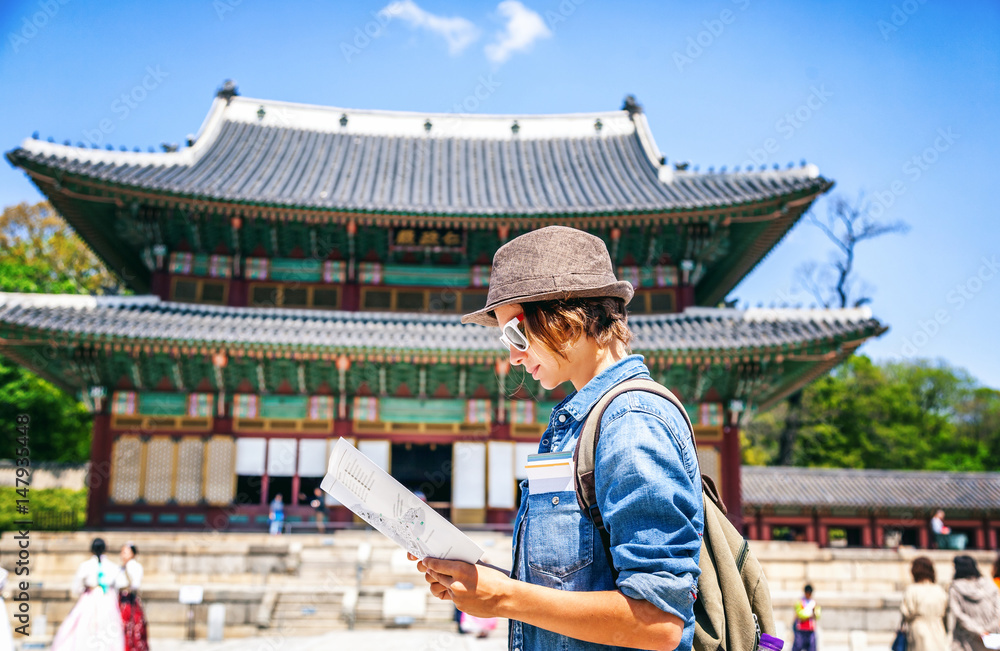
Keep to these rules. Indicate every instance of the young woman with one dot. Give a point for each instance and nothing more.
(133, 615)
(562, 315)
(925, 604)
(95, 623)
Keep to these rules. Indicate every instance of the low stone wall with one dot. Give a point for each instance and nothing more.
(47, 475)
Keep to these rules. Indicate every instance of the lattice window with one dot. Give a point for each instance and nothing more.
(220, 470)
(256, 233)
(190, 462)
(126, 470)
(159, 476)
(710, 462)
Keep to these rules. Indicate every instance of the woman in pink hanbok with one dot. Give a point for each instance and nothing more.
(95, 623)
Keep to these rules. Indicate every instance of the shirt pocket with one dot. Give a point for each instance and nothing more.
(559, 538)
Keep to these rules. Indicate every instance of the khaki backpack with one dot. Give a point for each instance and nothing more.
(733, 607)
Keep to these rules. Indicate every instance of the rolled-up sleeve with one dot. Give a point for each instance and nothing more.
(649, 491)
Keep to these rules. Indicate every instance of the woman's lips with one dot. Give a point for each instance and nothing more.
(535, 370)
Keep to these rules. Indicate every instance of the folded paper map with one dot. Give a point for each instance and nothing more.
(381, 501)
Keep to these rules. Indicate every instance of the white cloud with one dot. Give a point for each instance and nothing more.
(523, 28)
(458, 32)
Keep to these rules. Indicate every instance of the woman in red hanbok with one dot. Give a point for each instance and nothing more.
(133, 616)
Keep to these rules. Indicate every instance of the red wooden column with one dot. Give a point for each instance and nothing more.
(161, 284)
(99, 477)
(732, 491)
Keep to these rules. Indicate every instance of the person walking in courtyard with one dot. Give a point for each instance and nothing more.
(95, 623)
(973, 606)
(806, 614)
(561, 313)
(276, 515)
(133, 614)
(319, 505)
(924, 606)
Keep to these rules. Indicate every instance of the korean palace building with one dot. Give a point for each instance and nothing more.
(299, 274)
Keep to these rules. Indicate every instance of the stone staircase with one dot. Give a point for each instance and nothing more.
(310, 584)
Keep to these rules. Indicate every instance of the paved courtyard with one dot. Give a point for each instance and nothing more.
(418, 640)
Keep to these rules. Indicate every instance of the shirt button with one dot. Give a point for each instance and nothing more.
(555, 500)
(562, 418)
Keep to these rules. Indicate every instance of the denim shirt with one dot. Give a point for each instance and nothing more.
(649, 492)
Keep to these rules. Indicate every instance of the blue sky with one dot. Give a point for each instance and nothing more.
(898, 99)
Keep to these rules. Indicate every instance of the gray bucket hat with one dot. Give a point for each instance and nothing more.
(555, 262)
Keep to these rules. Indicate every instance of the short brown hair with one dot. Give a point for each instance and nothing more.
(558, 324)
(922, 569)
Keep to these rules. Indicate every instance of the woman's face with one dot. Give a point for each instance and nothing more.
(127, 554)
(546, 367)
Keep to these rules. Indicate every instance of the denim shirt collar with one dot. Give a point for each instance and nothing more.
(579, 403)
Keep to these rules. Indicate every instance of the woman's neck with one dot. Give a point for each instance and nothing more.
(602, 359)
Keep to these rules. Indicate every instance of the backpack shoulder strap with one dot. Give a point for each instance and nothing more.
(585, 455)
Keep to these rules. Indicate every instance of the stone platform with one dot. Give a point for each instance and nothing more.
(311, 585)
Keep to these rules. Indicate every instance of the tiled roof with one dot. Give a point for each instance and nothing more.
(146, 317)
(870, 489)
(291, 155)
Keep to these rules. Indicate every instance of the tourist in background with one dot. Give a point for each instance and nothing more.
(133, 615)
(806, 614)
(276, 516)
(973, 606)
(996, 572)
(95, 623)
(924, 607)
(319, 505)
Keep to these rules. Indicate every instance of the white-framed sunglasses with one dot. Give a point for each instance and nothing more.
(512, 335)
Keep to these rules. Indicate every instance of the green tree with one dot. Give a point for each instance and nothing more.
(912, 415)
(39, 252)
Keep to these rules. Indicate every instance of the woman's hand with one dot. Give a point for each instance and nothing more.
(478, 590)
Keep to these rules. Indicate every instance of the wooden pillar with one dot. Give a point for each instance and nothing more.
(981, 536)
(238, 293)
(923, 538)
(730, 473)
(161, 284)
(99, 476)
(685, 297)
(350, 300)
(867, 534)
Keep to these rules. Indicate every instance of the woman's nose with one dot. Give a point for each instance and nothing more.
(517, 357)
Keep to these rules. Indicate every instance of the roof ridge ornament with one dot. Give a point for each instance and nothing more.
(632, 106)
(228, 91)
